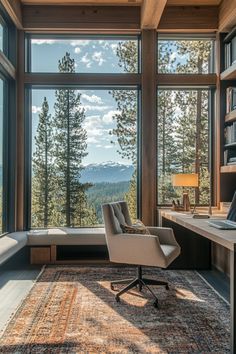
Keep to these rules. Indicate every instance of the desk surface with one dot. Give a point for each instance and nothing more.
(226, 238)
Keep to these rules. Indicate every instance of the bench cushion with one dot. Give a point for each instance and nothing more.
(11, 243)
(67, 236)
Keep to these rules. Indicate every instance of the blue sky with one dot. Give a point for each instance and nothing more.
(100, 108)
(91, 56)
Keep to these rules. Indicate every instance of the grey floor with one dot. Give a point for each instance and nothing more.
(15, 284)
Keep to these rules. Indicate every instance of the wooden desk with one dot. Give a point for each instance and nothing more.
(226, 238)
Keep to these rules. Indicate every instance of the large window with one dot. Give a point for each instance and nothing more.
(1, 155)
(183, 141)
(84, 153)
(90, 55)
(185, 56)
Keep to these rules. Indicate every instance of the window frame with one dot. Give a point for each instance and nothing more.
(29, 36)
(28, 140)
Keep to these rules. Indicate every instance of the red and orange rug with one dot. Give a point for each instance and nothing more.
(71, 309)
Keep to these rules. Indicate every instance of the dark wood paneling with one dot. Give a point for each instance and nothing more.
(149, 132)
(20, 132)
(186, 79)
(221, 258)
(203, 18)
(195, 249)
(82, 79)
(79, 17)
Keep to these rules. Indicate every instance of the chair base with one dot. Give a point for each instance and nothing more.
(140, 282)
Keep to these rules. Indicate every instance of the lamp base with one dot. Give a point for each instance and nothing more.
(186, 202)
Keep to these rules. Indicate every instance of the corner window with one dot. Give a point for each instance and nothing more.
(185, 56)
(90, 55)
(183, 142)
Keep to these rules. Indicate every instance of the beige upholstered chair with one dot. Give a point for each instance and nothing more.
(158, 249)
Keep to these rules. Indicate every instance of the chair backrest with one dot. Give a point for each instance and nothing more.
(115, 214)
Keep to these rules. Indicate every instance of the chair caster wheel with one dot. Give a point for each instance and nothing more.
(167, 287)
(155, 304)
(117, 298)
(112, 287)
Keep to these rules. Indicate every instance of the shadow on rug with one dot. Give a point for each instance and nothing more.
(72, 310)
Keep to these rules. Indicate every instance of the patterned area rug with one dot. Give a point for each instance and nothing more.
(72, 310)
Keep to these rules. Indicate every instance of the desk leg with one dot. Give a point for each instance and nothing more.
(232, 302)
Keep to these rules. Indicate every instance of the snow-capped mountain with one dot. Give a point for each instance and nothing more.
(106, 172)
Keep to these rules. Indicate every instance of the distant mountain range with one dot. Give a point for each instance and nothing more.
(111, 172)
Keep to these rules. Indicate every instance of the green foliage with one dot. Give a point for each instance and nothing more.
(42, 190)
(105, 192)
(58, 197)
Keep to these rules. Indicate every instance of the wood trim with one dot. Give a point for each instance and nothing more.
(230, 73)
(82, 79)
(151, 13)
(84, 2)
(149, 128)
(228, 169)
(14, 10)
(187, 79)
(189, 19)
(20, 133)
(227, 15)
(7, 66)
(81, 17)
(53, 253)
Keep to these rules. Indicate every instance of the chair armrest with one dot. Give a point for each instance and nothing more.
(135, 249)
(165, 235)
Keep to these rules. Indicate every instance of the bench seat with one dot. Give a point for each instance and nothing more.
(12, 243)
(67, 236)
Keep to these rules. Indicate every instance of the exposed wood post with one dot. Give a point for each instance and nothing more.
(151, 13)
(20, 133)
(149, 118)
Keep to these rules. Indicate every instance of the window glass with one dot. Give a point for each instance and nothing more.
(1, 153)
(84, 153)
(103, 55)
(183, 139)
(1, 37)
(184, 56)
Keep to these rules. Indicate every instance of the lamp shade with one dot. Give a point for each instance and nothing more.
(185, 180)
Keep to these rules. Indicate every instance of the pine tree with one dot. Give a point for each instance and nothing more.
(70, 149)
(42, 170)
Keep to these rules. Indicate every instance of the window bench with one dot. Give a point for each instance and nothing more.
(11, 244)
(67, 245)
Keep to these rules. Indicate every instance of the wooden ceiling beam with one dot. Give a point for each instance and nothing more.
(227, 15)
(13, 8)
(83, 2)
(151, 13)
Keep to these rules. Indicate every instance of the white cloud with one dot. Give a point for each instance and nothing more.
(114, 47)
(36, 109)
(43, 41)
(97, 57)
(92, 140)
(88, 107)
(108, 146)
(77, 50)
(92, 98)
(79, 42)
(108, 117)
(86, 60)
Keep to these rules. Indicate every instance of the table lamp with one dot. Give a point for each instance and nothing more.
(185, 180)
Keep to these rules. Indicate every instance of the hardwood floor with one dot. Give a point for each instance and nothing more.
(14, 286)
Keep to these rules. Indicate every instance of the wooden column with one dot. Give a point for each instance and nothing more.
(148, 127)
(20, 133)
